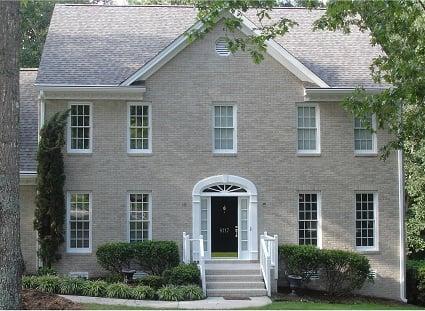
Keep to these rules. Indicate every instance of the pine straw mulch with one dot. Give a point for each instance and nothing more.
(35, 300)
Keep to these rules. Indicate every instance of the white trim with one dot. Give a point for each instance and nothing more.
(316, 151)
(374, 150)
(375, 247)
(334, 94)
(235, 128)
(401, 215)
(140, 151)
(252, 252)
(27, 178)
(91, 88)
(41, 112)
(68, 240)
(319, 216)
(149, 193)
(68, 131)
(273, 48)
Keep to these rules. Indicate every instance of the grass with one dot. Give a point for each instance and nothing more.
(290, 305)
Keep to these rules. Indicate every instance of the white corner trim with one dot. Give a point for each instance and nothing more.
(273, 49)
(27, 178)
(401, 215)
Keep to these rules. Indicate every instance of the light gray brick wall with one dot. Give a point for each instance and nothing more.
(182, 95)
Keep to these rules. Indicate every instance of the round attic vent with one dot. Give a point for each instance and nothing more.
(221, 47)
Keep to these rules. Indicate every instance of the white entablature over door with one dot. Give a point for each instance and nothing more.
(222, 186)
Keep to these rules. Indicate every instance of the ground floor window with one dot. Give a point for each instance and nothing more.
(366, 229)
(139, 216)
(308, 215)
(79, 222)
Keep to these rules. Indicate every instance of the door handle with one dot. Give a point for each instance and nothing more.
(236, 231)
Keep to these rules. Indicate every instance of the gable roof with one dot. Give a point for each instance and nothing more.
(28, 129)
(106, 45)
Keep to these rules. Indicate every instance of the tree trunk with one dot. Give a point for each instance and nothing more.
(11, 263)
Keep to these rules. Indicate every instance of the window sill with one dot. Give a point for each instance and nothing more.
(365, 154)
(224, 154)
(371, 251)
(78, 253)
(79, 154)
(139, 154)
(308, 154)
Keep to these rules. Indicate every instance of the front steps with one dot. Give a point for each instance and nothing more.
(234, 278)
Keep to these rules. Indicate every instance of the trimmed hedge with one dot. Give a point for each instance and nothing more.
(154, 281)
(182, 274)
(76, 286)
(154, 257)
(340, 271)
(415, 281)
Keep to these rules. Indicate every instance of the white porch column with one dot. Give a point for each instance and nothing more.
(253, 227)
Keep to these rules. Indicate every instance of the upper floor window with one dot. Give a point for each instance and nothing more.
(364, 137)
(225, 129)
(308, 219)
(80, 128)
(139, 128)
(139, 216)
(308, 129)
(79, 222)
(366, 221)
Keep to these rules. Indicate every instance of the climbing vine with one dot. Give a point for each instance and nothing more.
(50, 199)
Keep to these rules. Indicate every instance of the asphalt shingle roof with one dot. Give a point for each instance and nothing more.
(104, 45)
(28, 120)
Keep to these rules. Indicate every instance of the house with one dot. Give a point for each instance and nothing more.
(168, 136)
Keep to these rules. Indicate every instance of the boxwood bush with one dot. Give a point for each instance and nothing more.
(301, 260)
(183, 274)
(415, 281)
(154, 281)
(154, 257)
(115, 256)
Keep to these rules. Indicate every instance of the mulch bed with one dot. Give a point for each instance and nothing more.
(35, 300)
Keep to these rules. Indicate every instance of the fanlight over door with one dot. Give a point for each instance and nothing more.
(224, 188)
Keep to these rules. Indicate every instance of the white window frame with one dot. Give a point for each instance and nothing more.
(139, 151)
(87, 250)
(68, 140)
(319, 216)
(374, 150)
(313, 152)
(149, 193)
(374, 248)
(235, 128)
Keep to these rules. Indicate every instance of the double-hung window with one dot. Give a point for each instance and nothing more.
(309, 219)
(225, 129)
(364, 137)
(308, 124)
(80, 128)
(366, 221)
(79, 222)
(139, 209)
(139, 128)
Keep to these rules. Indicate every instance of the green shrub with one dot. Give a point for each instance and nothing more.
(192, 292)
(71, 286)
(154, 281)
(415, 281)
(112, 278)
(170, 293)
(115, 256)
(155, 257)
(94, 288)
(182, 275)
(118, 290)
(48, 283)
(343, 271)
(46, 271)
(30, 281)
(142, 292)
(301, 260)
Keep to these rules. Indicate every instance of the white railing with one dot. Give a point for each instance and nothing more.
(193, 251)
(269, 259)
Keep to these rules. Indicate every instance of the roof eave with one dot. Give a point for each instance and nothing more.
(335, 94)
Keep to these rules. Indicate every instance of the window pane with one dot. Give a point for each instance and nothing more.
(139, 124)
(307, 128)
(79, 220)
(139, 216)
(365, 220)
(307, 222)
(223, 128)
(80, 127)
(363, 137)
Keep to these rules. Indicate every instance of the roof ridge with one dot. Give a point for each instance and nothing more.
(126, 6)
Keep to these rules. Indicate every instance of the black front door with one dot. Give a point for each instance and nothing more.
(224, 222)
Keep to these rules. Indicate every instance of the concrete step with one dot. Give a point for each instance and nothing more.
(235, 285)
(236, 292)
(230, 266)
(230, 261)
(230, 272)
(234, 278)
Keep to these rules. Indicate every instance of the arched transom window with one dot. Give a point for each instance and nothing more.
(224, 188)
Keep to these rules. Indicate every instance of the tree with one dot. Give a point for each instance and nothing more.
(398, 28)
(50, 199)
(11, 263)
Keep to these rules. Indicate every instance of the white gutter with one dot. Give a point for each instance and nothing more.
(334, 94)
(86, 88)
(401, 214)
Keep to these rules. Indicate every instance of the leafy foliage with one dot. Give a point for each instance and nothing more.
(118, 290)
(48, 284)
(415, 281)
(182, 274)
(170, 293)
(300, 260)
(143, 292)
(71, 286)
(46, 271)
(50, 199)
(115, 256)
(154, 281)
(94, 288)
(192, 292)
(156, 256)
(30, 281)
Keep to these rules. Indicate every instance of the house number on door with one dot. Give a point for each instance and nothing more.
(224, 230)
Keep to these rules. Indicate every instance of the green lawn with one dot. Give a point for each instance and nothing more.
(290, 305)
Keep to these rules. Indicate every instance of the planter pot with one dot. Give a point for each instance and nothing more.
(294, 283)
